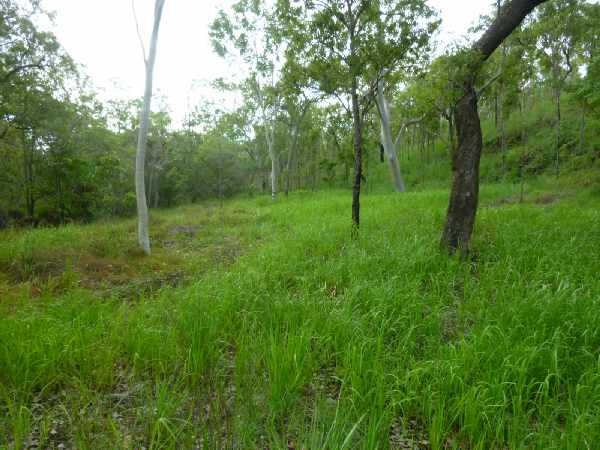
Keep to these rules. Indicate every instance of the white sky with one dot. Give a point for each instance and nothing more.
(100, 34)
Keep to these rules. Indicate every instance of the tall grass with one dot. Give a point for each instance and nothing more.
(314, 340)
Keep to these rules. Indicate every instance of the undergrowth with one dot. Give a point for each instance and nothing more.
(305, 338)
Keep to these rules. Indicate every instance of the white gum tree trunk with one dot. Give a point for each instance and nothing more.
(389, 145)
(140, 189)
(274, 161)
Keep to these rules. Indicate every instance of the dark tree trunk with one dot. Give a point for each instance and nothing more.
(357, 159)
(290, 155)
(557, 94)
(465, 169)
(464, 196)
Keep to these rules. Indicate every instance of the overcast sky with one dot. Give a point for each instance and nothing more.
(100, 34)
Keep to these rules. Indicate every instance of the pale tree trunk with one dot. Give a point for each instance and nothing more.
(142, 205)
(292, 149)
(274, 161)
(274, 173)
(290, 156)
(259, 170)
(388, 143)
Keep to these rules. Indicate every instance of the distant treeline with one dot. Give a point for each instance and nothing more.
(66, 156)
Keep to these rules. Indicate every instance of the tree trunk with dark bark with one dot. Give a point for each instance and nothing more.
(357, 159)
(557, 137)
(464, 196)
(465, 170)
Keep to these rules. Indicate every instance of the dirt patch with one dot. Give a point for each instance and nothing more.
(95, 272)
(546, 199)
(408, 434)
(27, 267)
(187, 231)
(505, 201)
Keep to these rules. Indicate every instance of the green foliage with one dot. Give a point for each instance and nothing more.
(66, 157)
(338, 44)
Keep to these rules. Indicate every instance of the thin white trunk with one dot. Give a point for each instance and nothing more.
(142, 204)
(274, 162)
(388, 143)
(288, 166)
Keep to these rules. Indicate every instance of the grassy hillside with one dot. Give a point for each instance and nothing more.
(530, 151)
(265, 326)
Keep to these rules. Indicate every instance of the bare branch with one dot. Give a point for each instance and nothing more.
(139, 34)
(342, 103)
(404, 126)
(488, 83)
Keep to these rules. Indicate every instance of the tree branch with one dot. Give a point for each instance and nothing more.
(510, 17)
(488, 83)
(139, 34)
(342, 102)
(7, 76)
(404, 126)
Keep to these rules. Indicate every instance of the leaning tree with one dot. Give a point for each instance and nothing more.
(464, 195)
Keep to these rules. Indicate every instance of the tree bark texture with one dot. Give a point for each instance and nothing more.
(557, 136)
(464, 196)
(465, 172)
(357, 159)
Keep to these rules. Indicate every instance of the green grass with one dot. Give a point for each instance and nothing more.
(304, 338)
(104, 257)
